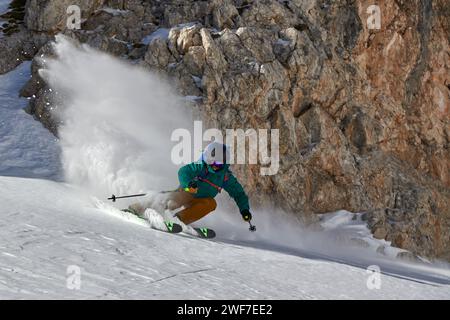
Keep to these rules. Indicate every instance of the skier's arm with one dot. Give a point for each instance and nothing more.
(187, 173)
(235, 190)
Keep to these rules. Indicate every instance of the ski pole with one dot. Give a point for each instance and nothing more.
(113, 197)
(252, 227)
(169, 191)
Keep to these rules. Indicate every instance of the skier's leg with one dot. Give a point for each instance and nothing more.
(178, 199)
(136, 208)
(161, 202)
(199, 207)
(154, 201)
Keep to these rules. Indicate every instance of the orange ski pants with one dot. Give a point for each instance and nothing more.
(195, 208)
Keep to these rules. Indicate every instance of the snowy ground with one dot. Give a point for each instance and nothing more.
(55, 228)
(50, 229)
(4, 4)
(27, 149)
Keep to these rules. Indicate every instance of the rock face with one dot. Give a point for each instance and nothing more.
(17, 43)
(363, 113)
(13, 51)
(51, 15)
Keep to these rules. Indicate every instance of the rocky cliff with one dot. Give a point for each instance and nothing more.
(363, 113)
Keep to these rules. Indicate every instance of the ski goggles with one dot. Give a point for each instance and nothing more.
(217, 165)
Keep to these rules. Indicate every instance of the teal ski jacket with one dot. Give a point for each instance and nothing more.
(211, 182)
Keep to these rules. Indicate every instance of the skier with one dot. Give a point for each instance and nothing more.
(200, 182)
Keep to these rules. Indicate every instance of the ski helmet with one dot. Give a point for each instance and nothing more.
(216, 154)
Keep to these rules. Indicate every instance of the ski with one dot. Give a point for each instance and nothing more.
(205, 233)
(166, 226)
(172, 227)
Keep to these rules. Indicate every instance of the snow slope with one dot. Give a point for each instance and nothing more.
(4, 5)
(55, 227)
(27, 149)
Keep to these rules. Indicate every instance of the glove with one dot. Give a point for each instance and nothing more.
(193, 184)
(192, 187)
(246, 215)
